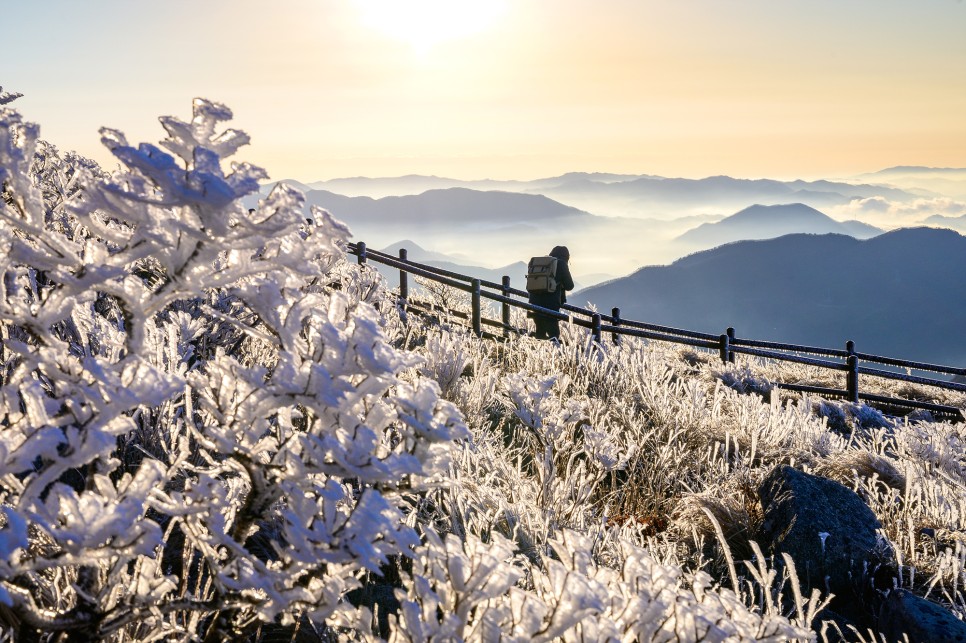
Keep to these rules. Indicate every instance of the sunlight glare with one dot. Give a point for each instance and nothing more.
(424, 24)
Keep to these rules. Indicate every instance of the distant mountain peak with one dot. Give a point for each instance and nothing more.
(918, 168)
(769, 221)
(408, 244)
(785, 210)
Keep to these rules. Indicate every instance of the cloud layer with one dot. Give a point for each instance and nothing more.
(880, 211)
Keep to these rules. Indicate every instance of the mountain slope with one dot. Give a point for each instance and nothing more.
(769, 221)
(452, 206)
(415, 252)
(899, 293)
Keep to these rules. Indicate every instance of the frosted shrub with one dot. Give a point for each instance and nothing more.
(743, 380)
(468, 591)
(446, 359)
(203, 427)
(443, 299)
(845, 417)
(570, 456)
(867, 417)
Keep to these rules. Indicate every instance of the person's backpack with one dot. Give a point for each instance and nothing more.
(542, 275)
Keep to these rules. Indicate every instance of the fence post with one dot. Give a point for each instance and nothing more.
(403, 277)
(362, 252)
(477, 324)
(852, 375)
(731, 338)
(595, 327)
(505, 317)
(852, 378)
(723, 347)
(616, 314)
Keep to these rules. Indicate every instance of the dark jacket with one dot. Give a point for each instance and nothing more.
(565, 282)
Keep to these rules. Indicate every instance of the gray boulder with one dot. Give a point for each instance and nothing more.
(830, 533)
(904, 613)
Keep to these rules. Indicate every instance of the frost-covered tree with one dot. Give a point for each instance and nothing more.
(203, 427)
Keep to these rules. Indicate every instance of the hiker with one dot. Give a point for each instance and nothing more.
(549, 327)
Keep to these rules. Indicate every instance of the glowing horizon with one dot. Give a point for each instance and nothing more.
(469, 89)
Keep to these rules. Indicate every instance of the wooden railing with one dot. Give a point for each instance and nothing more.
(849, 361)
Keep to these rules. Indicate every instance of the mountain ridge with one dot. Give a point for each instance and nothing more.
(449, 205)
(890, 293)
(769, 221)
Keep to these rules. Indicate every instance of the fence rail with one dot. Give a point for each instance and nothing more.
(727, 344)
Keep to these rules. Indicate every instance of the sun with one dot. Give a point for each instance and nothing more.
(423, 24)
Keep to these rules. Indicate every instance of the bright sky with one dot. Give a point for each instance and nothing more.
(509, 88)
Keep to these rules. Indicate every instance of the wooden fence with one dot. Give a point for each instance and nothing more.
(849, 361)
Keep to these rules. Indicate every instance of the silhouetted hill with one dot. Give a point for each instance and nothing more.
(453, 207)
(899, 294)
(953, 223)
(598, 177)
(928, 181)
(920, 169)
(268, 187)
(412, 184)
(769, 221)
(415, 252)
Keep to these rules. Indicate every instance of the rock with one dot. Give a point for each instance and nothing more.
(904, 613)
(830, 533)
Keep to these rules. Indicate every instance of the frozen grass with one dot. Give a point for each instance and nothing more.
(665, 447)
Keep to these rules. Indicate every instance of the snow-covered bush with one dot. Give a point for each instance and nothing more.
(203, 427)
(743, 380)
(845, 417)
(469, 591)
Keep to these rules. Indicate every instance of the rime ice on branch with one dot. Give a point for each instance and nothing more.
(196, 417)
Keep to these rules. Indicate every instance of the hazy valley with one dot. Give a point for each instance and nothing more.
(686, 247)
